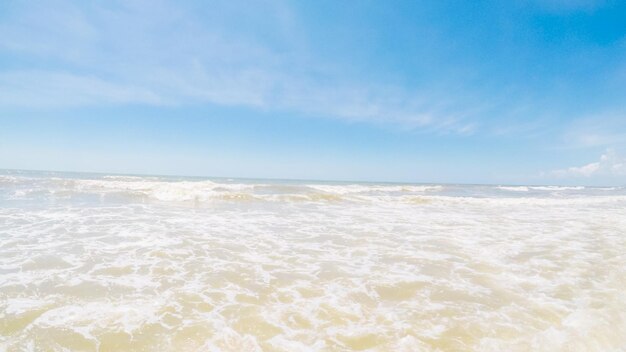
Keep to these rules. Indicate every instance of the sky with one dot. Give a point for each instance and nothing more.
(505, 92)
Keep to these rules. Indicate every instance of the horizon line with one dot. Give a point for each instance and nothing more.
(302, 180)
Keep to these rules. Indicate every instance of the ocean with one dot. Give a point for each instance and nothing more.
(92, 262)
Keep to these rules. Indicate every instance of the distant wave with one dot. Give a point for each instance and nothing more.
(539, 188)
(148, 189)
(514, 188)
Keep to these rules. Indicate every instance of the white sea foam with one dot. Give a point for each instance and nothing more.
(540, 188)
(557, 188)
(133, 263)
(514, 188)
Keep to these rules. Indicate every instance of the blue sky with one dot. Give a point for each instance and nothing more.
(438, 91)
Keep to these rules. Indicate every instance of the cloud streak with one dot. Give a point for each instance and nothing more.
(47, 89)
(156, 54)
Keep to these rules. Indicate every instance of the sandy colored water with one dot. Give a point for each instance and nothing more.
(112, 263)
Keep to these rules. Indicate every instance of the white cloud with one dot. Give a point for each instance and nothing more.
(610, 165)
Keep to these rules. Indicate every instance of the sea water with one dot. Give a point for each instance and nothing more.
(94, 262)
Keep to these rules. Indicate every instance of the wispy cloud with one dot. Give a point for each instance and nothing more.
(156, 53)
(605, 129)
(34, 88)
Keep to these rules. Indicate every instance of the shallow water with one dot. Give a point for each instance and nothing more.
(113, 263)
